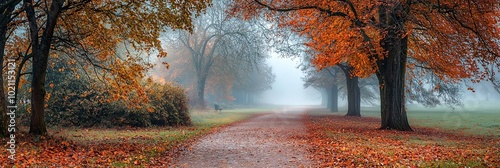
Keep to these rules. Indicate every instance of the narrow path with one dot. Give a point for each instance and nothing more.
(263, 141)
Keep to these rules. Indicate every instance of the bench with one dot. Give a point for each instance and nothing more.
(217, 107)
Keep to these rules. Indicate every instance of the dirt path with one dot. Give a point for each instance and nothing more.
(263, 141)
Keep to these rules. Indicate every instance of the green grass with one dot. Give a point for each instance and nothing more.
(450, 164)
(210, 120)
(202, 120)
(475, 119)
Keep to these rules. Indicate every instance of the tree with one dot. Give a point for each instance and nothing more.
(353, 91)
(255, 81)
(333, 89)
(123, 22)
(328, 80)
(219, 41)
(333, 81)
(227, 82)
(456, 39)
(40, 52)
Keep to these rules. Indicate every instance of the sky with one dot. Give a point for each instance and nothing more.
(288, 87)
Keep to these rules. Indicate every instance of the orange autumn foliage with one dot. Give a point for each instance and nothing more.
(456, 39)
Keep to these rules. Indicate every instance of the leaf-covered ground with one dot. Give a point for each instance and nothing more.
(332, 141)
(123, 151)
(339, 141)
(128, 147)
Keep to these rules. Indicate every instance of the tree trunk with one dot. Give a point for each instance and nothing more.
(328, 98)
(324, 97)
(37, 125)
(334, 98)
(40, 52)
(200, 100)
(391, 70)
(251, 99)
(353, 92)
(247, 98)
(353, 97)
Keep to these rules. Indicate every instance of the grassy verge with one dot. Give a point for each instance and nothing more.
(202, 121)
(120, 147)
(442, 138)
(483, 119)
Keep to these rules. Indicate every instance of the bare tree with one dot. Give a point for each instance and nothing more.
(230, 44)
(253, 82)
(332, 80)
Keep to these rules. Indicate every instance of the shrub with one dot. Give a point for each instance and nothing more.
(73, 102)
(169, 106)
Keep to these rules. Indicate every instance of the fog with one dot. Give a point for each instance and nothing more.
(288, 90)
(483, 99)
(484, 92)
(288, 87)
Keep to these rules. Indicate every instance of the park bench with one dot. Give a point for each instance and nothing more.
(217, 107)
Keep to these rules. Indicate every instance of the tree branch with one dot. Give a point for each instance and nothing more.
(288, 9)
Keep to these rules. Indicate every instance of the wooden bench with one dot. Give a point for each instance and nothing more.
(217, 107)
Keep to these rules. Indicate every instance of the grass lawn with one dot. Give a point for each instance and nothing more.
(120, 147)
(468, 120)
(442, 138)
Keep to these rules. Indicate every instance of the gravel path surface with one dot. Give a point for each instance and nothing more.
(263, 141)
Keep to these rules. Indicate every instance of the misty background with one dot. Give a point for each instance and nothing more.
(288, 89)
